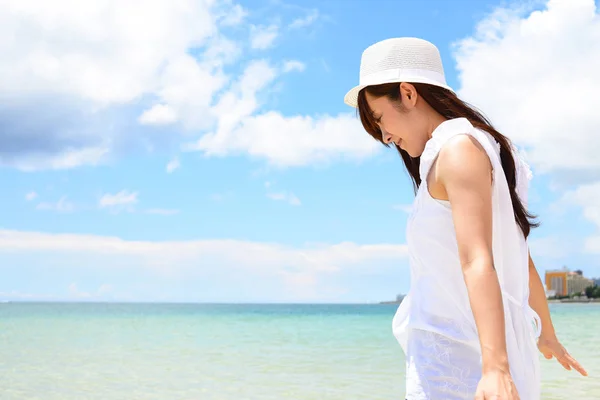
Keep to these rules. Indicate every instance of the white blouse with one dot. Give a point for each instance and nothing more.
(434, 323)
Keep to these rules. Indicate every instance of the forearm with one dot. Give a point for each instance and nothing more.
(537, 300)
(485, 298)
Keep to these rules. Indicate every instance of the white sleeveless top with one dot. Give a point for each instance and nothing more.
(434, 323)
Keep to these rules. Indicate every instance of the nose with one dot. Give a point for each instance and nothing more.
(386, 137)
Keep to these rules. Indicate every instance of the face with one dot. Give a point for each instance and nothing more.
(401, 122)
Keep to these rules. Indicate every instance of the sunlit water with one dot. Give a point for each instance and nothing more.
(171, 352)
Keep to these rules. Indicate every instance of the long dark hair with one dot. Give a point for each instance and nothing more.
(447, 104)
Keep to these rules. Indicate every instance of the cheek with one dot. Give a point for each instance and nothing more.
(408, 129)
(397, 125)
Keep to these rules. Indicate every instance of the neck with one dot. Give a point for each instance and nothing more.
(434, 120)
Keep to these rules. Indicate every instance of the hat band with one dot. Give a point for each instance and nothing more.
(403, 75)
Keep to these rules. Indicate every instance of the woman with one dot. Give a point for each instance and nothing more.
(476, 306)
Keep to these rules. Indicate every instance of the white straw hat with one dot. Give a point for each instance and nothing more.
(399, 60)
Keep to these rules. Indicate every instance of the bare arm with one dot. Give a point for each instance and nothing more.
(548, 343)
(537, 301)
(465, 171)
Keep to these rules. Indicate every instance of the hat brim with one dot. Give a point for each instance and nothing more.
(351, 98)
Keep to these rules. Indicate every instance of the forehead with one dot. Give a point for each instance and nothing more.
(376, 104)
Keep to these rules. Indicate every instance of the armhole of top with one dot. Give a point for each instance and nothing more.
(480, 138)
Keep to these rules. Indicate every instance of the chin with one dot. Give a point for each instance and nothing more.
(410, 151)
(414, 154)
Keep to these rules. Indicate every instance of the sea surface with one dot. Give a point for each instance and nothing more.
(64, 351)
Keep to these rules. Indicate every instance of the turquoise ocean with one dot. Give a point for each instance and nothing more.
(64, 351)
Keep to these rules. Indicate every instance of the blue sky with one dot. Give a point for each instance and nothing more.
(201, 150)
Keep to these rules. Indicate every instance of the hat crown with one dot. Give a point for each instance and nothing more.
(404, 59)
(401, 53)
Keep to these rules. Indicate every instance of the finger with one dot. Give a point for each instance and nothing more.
(563, 361)
(479, 395)
(576, 365)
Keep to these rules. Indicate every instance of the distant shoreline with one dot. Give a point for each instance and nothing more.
(175, 303)
(573, 301)
(551, 301)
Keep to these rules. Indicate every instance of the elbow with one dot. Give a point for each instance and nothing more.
(479, 264)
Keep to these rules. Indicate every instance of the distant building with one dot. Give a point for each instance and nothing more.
(556, 281)
(577, 283)
(596, 281)
(566, 283)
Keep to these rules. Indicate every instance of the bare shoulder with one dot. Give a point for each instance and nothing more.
(464, 159)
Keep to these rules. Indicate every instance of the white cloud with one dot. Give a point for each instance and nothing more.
(280, 140)
(73, 65)
(159, 114)
(31, 196)
(293, 65)
(84, 74)
(107, 52)
(173, 165)
(588, 198)
(305, 21)
(187, 88)
(281, 195)
(549, 247)
(319, 257)
(292, 141)
(233, 16)
(221, 51)
(534, 74)
(292, 273)
(68, 158)
(62, 205)
(288, 197)
(240, 101)
(122, 198)
(263, 37)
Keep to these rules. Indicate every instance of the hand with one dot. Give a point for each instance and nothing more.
(551, 347)
(496, 385)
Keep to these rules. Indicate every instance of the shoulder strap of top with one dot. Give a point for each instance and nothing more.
(449, 129)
